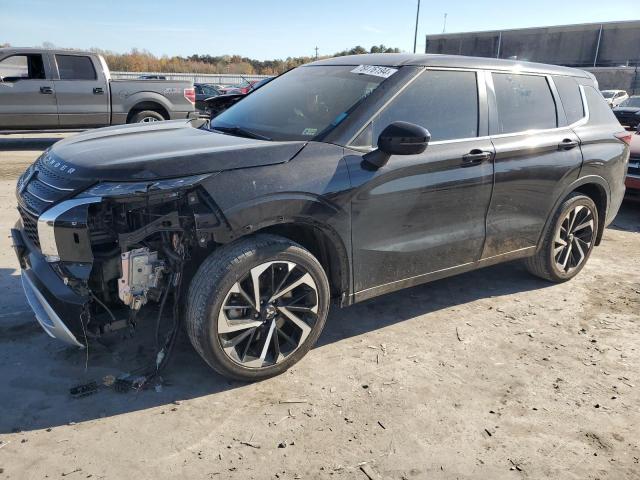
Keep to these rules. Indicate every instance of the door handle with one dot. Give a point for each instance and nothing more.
(46, 90)
(98, 91)
(475, 157)
(567, 144)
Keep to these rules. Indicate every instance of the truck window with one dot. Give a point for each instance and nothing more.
(524, 102)
(22, 67)
(75, 67)
(570, 97)
(442, 101)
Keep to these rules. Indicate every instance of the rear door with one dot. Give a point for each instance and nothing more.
(423, 213)
(537, 156)
(27, 93)
(82, 91)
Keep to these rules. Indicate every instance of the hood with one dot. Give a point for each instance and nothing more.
(161, 150)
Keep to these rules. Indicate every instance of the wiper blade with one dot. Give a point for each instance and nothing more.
(242, 132)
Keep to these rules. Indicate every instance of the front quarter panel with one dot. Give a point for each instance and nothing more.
(312, 188)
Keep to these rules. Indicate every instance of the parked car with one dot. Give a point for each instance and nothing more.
(242, 88)
(614, 97)
(49, 89)
(216, 105)
(628, 112)
(341, 180)
(204, 91)
(633, 172)
(152, 77)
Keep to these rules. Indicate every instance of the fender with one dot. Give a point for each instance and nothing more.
(588, 179)
(292, 209)
(128, 102)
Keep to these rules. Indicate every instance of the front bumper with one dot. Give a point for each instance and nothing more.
(58, 309)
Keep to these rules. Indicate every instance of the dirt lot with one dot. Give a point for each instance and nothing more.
(492, 374)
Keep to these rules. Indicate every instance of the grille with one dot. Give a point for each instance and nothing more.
(30, 224)
(630, 119)
(634, 165)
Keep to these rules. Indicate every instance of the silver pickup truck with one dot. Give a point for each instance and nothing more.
(49, 89)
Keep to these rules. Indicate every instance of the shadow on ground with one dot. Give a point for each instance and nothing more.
(37, 371)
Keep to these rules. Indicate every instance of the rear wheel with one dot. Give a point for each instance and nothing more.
(569, 241)
(255, 308)
(147, 116)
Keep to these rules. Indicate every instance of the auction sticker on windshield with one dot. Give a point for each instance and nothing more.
(375, 70)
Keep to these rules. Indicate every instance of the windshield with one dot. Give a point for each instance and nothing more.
(608, 93)
(631, 102)
(301, 104)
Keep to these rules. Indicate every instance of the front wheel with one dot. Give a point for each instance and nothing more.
(568, 242)
(256, 307)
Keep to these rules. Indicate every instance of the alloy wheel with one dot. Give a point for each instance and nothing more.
(574, 239)
(148, 120)
(268, 314)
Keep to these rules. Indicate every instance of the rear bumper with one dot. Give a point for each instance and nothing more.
(58, 309)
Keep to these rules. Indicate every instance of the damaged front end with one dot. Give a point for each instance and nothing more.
(92, 261)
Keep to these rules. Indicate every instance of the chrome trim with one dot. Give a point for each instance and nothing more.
(46, 223)
(39, 198)
(54, 187)
(45, 315)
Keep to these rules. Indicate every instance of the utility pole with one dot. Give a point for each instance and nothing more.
(316, 52)
(444, 25)
(415, 37)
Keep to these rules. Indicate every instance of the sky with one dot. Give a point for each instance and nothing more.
(267, 29)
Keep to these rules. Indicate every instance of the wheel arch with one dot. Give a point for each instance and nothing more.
(147, 101)
(324, 244)
(594, 187)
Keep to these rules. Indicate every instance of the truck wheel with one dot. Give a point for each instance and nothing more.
(147, 116)
(256, 307)
(568, 242)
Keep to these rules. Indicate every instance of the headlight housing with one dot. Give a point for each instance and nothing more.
(125, 189)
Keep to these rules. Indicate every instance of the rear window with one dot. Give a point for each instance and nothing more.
(524, 102)
(75, 67)
(599, 111)
(571, 98)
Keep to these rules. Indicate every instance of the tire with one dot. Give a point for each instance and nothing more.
(147, 116)
(226, 279)
(579, 243)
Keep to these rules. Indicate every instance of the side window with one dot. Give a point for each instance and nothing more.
(444, 102)
(599, 111)
(75, 67)
(571, 98)
(524, 102)
(22, 67)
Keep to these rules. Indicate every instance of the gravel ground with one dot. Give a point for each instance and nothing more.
(490, 374)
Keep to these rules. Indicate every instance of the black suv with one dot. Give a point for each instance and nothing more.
(343, 179)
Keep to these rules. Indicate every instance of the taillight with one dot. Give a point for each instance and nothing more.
(190, 94)
(625, 137)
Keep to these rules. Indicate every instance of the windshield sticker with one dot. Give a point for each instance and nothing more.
(310, 131)
(374, 70)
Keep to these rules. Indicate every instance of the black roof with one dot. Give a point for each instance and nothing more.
(450, 61)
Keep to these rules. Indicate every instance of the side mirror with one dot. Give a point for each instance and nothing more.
(399, 138)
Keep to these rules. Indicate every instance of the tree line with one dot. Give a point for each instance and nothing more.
(144, 61)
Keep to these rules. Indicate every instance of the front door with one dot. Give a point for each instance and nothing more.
(27, 93)
(422, 214)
